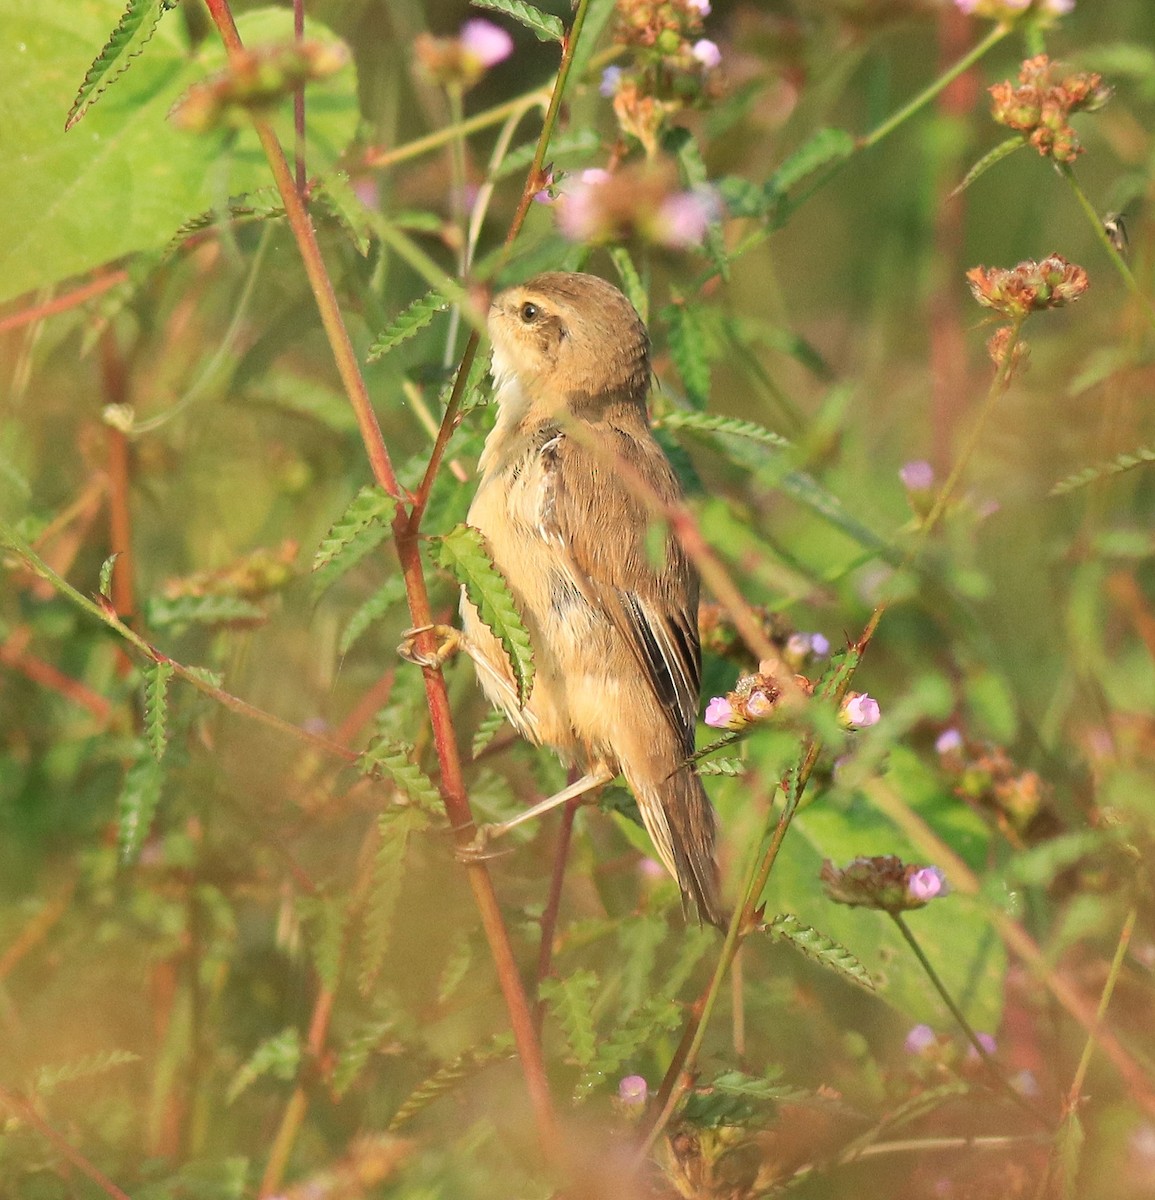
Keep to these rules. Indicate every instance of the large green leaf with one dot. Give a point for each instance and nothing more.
(124, 179)
(954, 932)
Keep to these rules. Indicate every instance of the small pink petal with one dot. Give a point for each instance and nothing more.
(487, 42)
(719, 713)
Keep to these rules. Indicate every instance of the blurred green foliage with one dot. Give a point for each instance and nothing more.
(222, 945)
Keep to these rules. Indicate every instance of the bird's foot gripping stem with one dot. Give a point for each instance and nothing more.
(450, 642)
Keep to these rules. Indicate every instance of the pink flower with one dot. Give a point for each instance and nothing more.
(632, 1090)
(948, 741)
(720, 713)
(488, 43)
(684, 217)
(926, 883)
(707, 53)
(702, 7)
(920, 1038)
(918, 475)
(759, 705)
(860, 711)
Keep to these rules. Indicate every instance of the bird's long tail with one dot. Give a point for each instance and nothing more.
(681, 823)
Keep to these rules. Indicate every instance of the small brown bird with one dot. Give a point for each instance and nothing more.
(612, 618)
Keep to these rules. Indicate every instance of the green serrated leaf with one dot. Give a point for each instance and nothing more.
(545, 26)
(732, 767)
(205, 675)
(632, 284)
(988, 160)
(134, 29)
(408, 323)
(712, 423)
(630, 1041)
(163, 613)
(106, 569)
(356, 533)
(156, 681)
(689, 351)
(486, 731)
(124, 182)
(734, 1098)
(389, 594)
(463, 551)
(457, 965)
(395, 825)
(353, 1056)
(279, 1056)
(384, 755)
(259, 205)
(335, 195)
(137, 805)
(820, 948)
(323, 918)
(825, 146)
(446, 1078)
(571, 1000)
(47, 1079)
(1116, 466)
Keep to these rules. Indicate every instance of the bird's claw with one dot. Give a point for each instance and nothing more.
(450, 643)
(478, 850)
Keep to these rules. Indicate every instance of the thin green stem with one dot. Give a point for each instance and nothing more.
(439, 137)
(679, 1074)
(928, 93)
(18, 546)
(1120, 263)
(992, 1067)
(533, 184)
(942, 990)
(1076, 1089)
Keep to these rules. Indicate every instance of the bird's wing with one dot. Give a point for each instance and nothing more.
(625, 565)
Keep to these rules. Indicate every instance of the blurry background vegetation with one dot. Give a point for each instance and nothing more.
(167, 929)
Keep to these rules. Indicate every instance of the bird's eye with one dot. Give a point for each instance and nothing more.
(528, 312)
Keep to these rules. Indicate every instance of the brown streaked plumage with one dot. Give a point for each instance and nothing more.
(615, 636)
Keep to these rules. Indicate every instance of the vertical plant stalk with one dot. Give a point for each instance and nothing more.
(679, 1075)
(294, 1114)
(301, 175)
(534, 182)
(553, 900)
(1075, 1091)
(405, 531)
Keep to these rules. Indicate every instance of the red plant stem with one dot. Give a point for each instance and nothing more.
(534, 181)
(14, 656)
(25, 1112)
(26, 316)
(553, 901)
(297, 1107)
(299, 102)
(405, 535)
(344, 355)
(461, 821)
